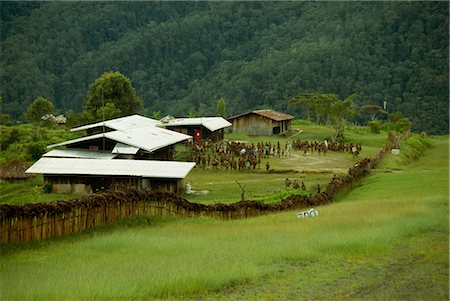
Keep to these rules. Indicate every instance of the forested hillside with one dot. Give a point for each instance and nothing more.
(183, 56)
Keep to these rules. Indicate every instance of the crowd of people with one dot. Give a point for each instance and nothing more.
(325, 146)
(235, 155)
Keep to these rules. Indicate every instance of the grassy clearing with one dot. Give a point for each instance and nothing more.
(387, 239)
(221, 185)
(28, 191)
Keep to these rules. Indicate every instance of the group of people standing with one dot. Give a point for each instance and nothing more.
(235, 155)
(325, 146)
(295, 184)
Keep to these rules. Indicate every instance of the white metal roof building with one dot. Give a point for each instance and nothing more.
(149, 138)
(85, 176)
(200, 128)
(117, 167)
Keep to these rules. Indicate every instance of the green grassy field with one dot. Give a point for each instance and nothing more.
(28, 191)
(387, 240)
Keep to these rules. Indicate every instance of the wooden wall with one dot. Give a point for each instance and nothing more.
(257, 125)
(93, 184)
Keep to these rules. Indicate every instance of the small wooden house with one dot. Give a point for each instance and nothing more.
(200, 128)
(261, 122)
(85, 176)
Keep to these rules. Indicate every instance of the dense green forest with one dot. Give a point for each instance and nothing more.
(182, 57)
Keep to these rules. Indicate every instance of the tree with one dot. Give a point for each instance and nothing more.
(39, 108)
(341, 111)
(329, 109)
(399, 123)
(108, 111)
(221, 108)
(317, 103)
(156, 115)
(115, 92)
(373, 110)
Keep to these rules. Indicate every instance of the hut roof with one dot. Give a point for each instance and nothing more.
(116, 167)
(271, 114)
(13, 170)
(78, 153)
(211, 123)
(121, 124)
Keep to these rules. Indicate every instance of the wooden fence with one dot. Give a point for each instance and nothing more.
(20, 223)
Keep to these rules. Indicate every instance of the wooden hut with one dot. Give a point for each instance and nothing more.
(261, 122)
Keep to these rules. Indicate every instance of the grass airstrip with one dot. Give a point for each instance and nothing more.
(387, 239)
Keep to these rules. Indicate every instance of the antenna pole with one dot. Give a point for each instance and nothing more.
(103, 113)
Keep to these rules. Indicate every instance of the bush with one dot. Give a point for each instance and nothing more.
(47, 188)
(375, 126)
(415, 146)
(36, 150)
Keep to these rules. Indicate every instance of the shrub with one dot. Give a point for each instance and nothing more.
(36, 150)
(47, 188)
(415, 146)
(375, 126)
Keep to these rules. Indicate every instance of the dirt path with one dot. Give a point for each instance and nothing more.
(313, 163)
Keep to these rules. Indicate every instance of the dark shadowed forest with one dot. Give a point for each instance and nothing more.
(182, 57)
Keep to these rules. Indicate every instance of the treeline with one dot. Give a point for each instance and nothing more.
(183, 56)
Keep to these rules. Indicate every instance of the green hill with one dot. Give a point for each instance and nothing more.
(183, 56)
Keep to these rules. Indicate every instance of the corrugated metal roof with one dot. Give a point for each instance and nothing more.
(121, 124)
(211, 123)
(148, 138)
(124, 149)
(271, 114)
(75, 153)
(116, 167)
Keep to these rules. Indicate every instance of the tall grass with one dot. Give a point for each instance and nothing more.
(150, 258)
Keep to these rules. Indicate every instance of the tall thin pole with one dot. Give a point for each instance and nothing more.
(103, 113)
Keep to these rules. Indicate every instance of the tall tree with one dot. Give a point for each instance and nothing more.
(328, 108)
(115, 89)
(38, 109)
(221, 108)
(373, 110)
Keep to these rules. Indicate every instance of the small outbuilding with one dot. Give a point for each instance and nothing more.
(85, 176)
(201, 128)
(261, 122)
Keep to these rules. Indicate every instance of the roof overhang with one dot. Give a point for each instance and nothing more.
(120, 124)
(75, 153)
(270, 114)
(211, 123)
(115, 167)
